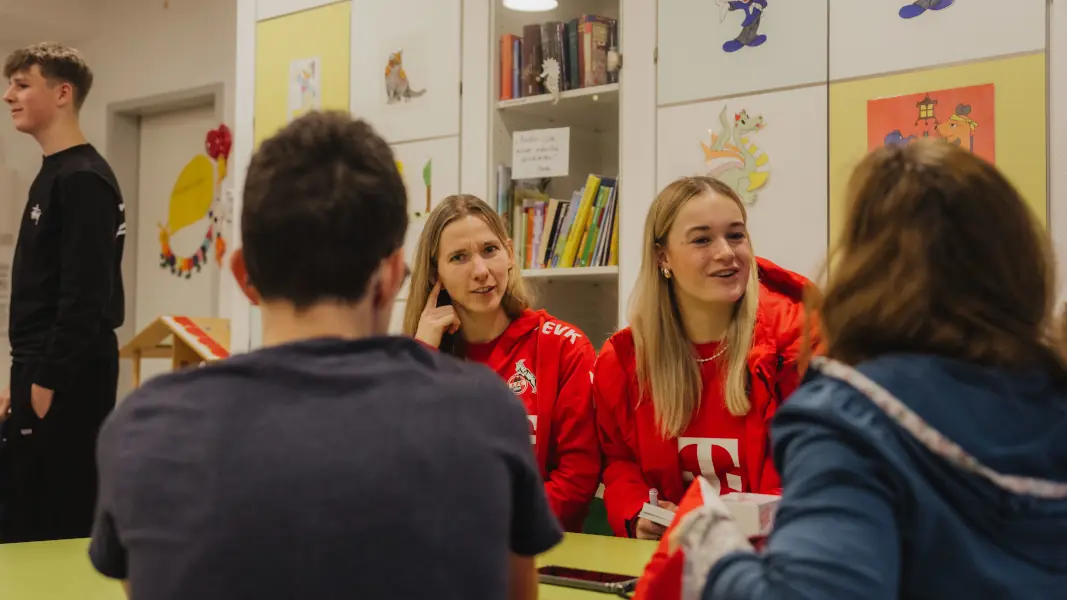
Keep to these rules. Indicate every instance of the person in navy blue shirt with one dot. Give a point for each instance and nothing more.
(336, 461)
(925, 456)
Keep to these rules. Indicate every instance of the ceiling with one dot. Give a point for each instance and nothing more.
(68, 21)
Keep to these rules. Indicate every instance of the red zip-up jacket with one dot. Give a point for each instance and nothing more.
(549, 365)
(638, 458)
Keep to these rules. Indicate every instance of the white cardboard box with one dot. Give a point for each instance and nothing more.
(754, 513)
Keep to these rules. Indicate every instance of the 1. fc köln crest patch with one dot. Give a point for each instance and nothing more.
(523, 379)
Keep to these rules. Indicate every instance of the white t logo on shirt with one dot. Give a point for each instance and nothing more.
(707, 463)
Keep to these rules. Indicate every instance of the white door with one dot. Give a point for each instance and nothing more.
(173, 224)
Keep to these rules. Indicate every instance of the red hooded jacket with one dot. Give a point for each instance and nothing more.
(549, 365)
(639, 458)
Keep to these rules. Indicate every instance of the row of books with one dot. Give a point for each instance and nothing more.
(580, 46)
(550, 233)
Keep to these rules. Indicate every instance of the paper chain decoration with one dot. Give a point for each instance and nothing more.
(217, 145)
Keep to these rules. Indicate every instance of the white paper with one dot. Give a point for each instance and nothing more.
(305, 86)
(541, 153)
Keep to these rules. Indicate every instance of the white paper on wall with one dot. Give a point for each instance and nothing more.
(421, 40)
(752, 143)
(305, 86)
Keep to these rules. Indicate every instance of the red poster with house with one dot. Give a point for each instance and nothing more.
(961, 116)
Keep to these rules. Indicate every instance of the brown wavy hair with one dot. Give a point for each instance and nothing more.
(940, 255)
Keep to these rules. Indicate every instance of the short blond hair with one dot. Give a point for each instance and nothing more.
(57, 63)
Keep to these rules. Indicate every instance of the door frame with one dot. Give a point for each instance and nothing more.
(123, 151)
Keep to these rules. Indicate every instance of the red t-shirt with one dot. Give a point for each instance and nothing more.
(548, 364)
(711, 444)
(732, 452)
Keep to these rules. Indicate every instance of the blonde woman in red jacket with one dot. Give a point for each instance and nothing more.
(690, 387)
(468, 299)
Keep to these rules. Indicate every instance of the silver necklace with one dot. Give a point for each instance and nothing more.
(717, 354)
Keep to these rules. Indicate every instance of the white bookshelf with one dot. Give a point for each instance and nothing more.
(597, 274)
(583, 100)
(585, 296)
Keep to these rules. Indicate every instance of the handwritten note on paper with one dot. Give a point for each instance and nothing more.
(541, 153)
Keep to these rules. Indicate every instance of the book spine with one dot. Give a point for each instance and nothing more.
(506, 66)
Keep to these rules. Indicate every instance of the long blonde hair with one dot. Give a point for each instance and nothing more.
(667, 369)
(424, 270)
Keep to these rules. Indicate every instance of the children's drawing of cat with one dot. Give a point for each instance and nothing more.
(397, 86)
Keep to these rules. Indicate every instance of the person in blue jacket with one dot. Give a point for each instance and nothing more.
(925, 456)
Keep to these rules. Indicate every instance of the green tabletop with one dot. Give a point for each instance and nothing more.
(595, 553)
(53, 571)
(61, 570)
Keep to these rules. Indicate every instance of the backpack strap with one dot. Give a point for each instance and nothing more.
(932, 439)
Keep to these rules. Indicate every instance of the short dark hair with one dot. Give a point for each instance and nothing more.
(57, 63)
(324, 204)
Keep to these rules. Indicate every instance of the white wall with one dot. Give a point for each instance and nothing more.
(73, 21)
(693, 64)
(788, 216)
(144, 50)
(140, 50)
(1057, 200)
(869, 37)
(429, 39)
(890, 44)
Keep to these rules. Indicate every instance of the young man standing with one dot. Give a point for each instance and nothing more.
(336, 461)
(66, 302)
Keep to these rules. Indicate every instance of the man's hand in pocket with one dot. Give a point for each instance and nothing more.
(41, 398)
(5, 403)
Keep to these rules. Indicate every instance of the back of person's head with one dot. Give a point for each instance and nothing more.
(324, 208)
(940, 255)
(667, 369)
(427, 266)
(57, 63)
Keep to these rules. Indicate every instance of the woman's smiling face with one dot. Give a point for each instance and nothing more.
(707, 250)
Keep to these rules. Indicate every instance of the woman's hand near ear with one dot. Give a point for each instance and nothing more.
(436, 320)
